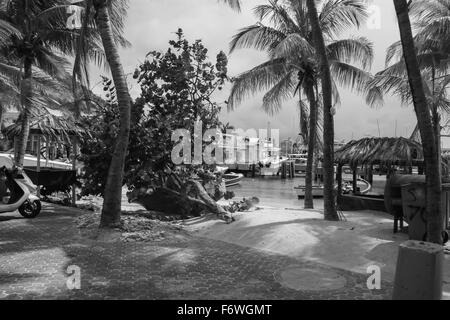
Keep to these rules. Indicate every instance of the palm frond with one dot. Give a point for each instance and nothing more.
(350, 76)
(283, 90)
(262, 77)
(234, 4)
(337, 16)
(355, 50)
(278, 15)
(293, 45)
(394, 53)
(258, 37)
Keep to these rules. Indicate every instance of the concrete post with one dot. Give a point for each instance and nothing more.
(419, 271)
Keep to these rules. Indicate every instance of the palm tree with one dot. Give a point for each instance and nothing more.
(31, 36)
(431, 42)
(328, 121)
(105, 17)
(33, 30)
(293, 66)
(433, 179)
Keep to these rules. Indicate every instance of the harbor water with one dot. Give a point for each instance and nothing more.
(279, 193)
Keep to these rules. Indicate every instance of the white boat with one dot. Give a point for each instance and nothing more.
(271, 162)
(222, 170)
(232, 179)
(272, 166)
(31, 161)
(300, 161)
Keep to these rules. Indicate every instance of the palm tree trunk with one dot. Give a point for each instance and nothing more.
(113, 189)
(309, 201)
(303, 123)
(433, 180)
(2, 112)
(436, 118)
(27, 92)
(328, 121)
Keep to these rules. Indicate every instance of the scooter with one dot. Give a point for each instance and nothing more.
(21, 193)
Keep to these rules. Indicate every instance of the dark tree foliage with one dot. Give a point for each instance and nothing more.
(177, 88)
(97, 148)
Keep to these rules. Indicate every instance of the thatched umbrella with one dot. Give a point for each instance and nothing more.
(386, 152)
(380, 151)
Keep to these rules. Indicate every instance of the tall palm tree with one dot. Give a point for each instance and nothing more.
(293, 66)
(432, 44)
(328, 121)
(107, 18)
(33, 31)
(30, 36)
(431, 155)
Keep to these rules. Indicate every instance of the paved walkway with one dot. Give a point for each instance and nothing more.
(35, 255)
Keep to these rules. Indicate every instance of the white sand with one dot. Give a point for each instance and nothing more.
(365, 239)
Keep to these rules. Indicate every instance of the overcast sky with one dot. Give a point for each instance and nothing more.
(152, 23)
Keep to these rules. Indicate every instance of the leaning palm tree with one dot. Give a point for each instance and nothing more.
(293, 66)
(430, 150)
(106, 16)
(432, 44)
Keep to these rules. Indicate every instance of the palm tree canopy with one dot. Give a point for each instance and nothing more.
(283, 31)
(39, 30)
(432, 41)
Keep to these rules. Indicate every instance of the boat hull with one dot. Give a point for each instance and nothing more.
(232, 179)
(316, 191)
(363, 185)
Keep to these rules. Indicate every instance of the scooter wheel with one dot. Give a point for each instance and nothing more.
(30, 209)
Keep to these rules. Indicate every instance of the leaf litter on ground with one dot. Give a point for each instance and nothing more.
(134, 228)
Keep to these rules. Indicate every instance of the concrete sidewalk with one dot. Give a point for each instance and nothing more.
(365, 239)
(35, 255)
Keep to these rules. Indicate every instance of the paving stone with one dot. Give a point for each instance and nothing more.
(35, 255)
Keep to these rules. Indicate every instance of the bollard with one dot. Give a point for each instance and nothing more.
(418, 275)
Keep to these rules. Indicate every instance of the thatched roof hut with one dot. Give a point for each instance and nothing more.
(57, 125)
(380, 151)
